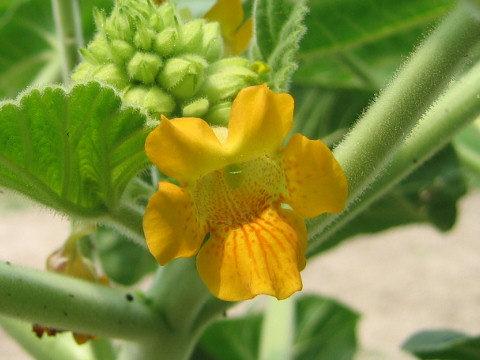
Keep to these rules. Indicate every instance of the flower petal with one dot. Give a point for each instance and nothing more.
(171, 224)
(242, 38)
(259, 121)
(184, 148)
(261, 257)
(315, 181)
(229, 13)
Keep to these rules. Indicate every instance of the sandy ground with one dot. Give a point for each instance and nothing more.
(402, 281)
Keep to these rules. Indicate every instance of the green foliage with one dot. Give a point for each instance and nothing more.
(324, 330)
(428, 195)
(360, 44)
(74, 151)
(278, 30)
(29, 54)
(443, 344)
(467, 145)
(123, 261)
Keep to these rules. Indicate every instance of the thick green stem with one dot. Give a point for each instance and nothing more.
(69, 34)
(278, 330)
(62, 302)
(186, 306)
(60, 347)
(370, 145)
(454, 110)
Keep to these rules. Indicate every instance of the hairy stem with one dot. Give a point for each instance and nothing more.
(186, 306)
(63, 302)
(370, 145)
(69, 34)
(453, 111)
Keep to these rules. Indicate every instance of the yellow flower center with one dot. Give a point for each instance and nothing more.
(239, 193)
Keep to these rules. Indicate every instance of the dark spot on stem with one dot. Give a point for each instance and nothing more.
(415, 160)
(71, 295)
(8, 294)
(8, 263)
(129, 297)
(44, 307)
(68, 133)
(65, 313)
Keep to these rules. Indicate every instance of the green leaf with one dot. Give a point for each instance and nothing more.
(429, 195)
(324, 330)
(278, 30)
(122, 260)
(28, 53)
(443, 344)
(360, 43)
(74, 151)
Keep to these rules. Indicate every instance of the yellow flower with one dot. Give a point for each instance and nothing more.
(229, 13)
(235, 184)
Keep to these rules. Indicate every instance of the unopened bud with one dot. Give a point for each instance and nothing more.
(197, 108)
(165, 42)
(183, 76)
(212, 41)
(154, 99)
(121, 51)
(191, 36)
(97, 52)
(110, 74)
(225, 80)
(143, 38)
(144, 67)
(167, 14)
(219, 114)
(156, 22)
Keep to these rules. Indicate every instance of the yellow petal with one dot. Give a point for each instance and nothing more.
(315, 181)
(171, 224)
(229, 13)
(184, 148)
(242, 37)
(261, 257)
(259, 121)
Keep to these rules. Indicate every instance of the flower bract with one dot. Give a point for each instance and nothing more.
(243, 189)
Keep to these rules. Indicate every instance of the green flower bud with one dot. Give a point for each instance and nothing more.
(97, 52)
(143, 38)
(144, 67)
(183, 76)
(84, 71)
(212, 42)
(165, 42)
(191, 36)
(156, 23)
(121, 51)
(154, 99)
(197, 108)
(225, 80)
(219, 115)
(119, 25)
(167, 13)
(99, 18)
(110, 74)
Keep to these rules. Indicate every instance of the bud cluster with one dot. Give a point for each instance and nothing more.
(163, 64)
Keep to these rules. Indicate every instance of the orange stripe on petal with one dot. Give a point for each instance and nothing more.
(315, 181)
(261, 257)
(171, 224)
